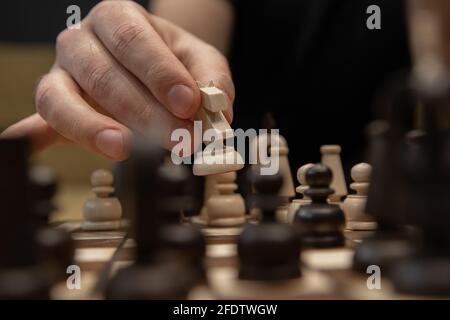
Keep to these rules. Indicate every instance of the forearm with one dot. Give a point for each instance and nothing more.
(210, 20)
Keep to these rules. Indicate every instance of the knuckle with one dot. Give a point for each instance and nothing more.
(103, 5)
(102, 8)
(99, 76)
(124, 35)
(158, 73)
(108, 9)
(63, 40)
(121, 109)
(214, 52)
(143, 117)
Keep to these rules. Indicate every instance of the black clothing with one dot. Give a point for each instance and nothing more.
(316, 66)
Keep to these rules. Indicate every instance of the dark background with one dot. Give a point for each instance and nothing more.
(38, 20)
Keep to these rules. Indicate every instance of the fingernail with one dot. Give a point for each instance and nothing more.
(180, 99)
(110, 142)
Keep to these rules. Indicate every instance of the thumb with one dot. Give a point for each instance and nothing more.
(207, 64)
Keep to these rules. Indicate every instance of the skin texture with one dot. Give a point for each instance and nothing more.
(210, 20)
(125, 70)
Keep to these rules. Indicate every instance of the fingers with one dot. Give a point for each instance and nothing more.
(126, 68)
(204, 62)
(127, 34)
(102, 78)
(59, 103)
(112, 87)
(40, 133)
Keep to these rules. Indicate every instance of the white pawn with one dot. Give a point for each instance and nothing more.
(287, 190)
(276, 151)
(225, 207)
(296, 203)
(331, 157)
(102, 212)
(355, 204)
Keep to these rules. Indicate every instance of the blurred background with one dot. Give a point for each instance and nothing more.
(28, 30)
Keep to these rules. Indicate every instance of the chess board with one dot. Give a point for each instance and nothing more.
(326, 273)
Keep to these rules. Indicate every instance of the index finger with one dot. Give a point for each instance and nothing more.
(131, 39)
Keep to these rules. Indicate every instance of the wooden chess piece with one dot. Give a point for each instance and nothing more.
(331, 157)
(44, 187)
(277, 152)
(55, 245)
(320, 223)
(268, 251)
(225, 207)
(151, 276)
(269, 255)
(209, 189)
(385, 202)
(216, 158)
(287, 189)
(185, 241)
(22, 275)
(104, 211)
(296, 203)
(354, 205)
(426, 171)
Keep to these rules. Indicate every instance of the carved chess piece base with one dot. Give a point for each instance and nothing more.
(101, 226)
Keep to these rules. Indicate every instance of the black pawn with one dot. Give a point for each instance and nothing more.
(185, 242)
(22, 276)
(268, 251)
(320, 224)
(150, 276)
(55, 246)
